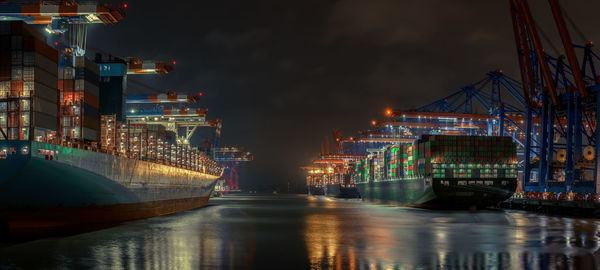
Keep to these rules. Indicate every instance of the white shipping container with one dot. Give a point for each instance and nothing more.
(4, 89)
(28, 74)
(80, 61)
(79, 85)
(67, 73)
(28, 89)
(16, 73)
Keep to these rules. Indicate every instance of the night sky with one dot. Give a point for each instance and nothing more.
(283, 74)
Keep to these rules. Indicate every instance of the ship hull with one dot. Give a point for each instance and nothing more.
(315, 190)
(337, 191)
(55, 187)
(21, 222)
(439, 193)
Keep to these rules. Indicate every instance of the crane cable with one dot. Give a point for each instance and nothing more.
(574, 25)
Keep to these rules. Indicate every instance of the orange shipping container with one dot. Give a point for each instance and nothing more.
(16, 88)
(91, 100)
(91, 123)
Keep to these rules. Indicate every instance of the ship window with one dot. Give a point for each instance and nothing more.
(489, 183)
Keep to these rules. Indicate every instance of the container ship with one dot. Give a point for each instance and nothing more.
(68, 161)
(441, 171)
(330, 176)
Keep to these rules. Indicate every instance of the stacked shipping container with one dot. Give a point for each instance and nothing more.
(28, 93)
(79, 99)
(150, 142)
(112, 84)
(443, 156)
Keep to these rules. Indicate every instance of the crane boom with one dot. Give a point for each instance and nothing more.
(525, 13)
(162, 98)
(568, 45)
(66, 12)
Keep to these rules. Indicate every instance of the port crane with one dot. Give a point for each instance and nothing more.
(556, 91)
(231, 158)
(552, 113)
(62, 17)
(137, 66)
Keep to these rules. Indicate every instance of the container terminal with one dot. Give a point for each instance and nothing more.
(78, 146)
(550, 114)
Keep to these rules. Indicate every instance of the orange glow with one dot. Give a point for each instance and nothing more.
(374, 122)
(388, 112)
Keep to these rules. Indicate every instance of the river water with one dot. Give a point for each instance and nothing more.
(300, 232)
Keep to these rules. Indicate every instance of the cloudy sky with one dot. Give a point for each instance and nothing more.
(283, 74)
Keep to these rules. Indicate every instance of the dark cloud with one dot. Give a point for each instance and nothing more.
(390, 22)
(252, 37)
(283, 74)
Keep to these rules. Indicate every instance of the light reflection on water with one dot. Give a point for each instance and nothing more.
(295, 232)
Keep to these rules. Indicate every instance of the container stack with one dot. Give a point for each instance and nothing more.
(28, 79)
(108, 134)
(156, 139)
(149, 142)
(410, 160)
(469, 156)
(444, 156)
(112, 85)
(80, 103)
(393, 162)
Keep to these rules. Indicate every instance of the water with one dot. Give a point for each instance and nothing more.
(296, 232)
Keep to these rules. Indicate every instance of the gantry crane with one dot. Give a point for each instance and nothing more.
(558, 92)
(137, 66)
(62, 17)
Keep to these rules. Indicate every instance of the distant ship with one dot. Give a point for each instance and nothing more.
(441, 171)
(316, 190)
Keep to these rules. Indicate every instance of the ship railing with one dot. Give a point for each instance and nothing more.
(211, 167)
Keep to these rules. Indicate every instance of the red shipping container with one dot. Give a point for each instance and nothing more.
(16, 88)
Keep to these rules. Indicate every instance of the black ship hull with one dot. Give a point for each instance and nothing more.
(316, 190)
(337, 191)
(439, 193)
